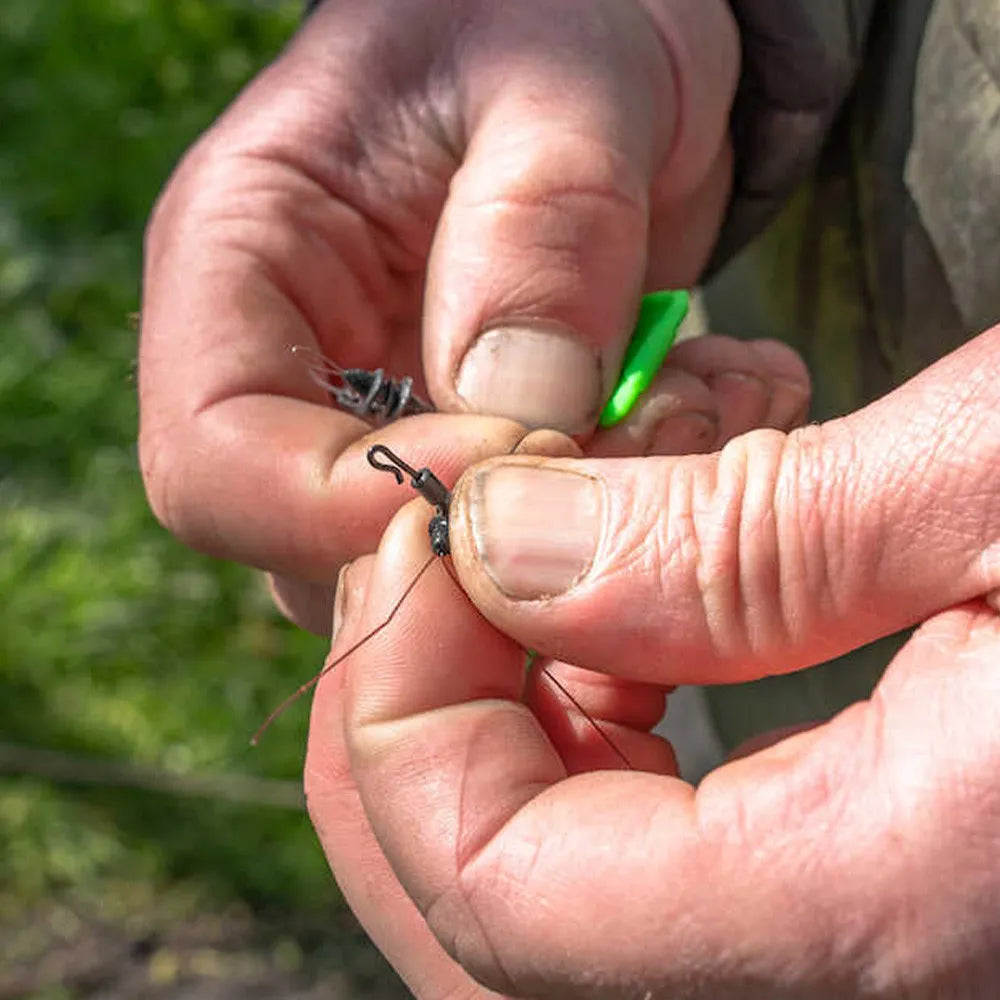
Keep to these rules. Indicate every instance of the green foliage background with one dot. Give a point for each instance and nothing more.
(115, 642)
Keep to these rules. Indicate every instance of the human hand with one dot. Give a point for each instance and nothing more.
(405, 177)
(857, 858)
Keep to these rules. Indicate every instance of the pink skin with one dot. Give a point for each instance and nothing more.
(405, 176)
(856, 858)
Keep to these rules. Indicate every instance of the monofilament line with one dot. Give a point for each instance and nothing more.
(313, 681)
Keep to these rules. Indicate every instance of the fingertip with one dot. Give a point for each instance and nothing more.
(548, 443)
(781, 360)
(791, 385)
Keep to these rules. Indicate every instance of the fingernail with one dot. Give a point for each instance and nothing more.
(340, 602)
(536, 528)
(542, 378)
(738, 385)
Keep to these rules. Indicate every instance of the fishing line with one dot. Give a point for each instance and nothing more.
(439, 497)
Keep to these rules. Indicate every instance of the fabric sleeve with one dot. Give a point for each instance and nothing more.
(800, 61)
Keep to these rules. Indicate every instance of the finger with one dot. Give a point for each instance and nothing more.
(540, 255)
(790, 384)
(677, 415)
(596, 722)
(362, 873)
(537, 884)
(308, 605)
(710, 390)
(780, 552)
(550, 443)
(761, 383)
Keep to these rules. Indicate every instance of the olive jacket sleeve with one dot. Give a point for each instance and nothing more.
(800, 61)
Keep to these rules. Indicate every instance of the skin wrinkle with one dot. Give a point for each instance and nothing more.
(836, 503)
(409, 80)
(659, 540)
(168, 491)
(945, 436)
(528, 306)
(272, 275)
(352, 159)
(377, 235)
(802, 511)
(411, 235)
(526, 297)
(790, 541)
(289, 288)
(566, 255)
(564, 200)
(721, 585)
(474, 885)
(423, 122)
(642, 72)
(489, 970)
(539, 822)
(963, 438)
(684, 487)
(679, 89)
(758, 543)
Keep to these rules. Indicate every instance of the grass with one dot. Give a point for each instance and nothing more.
(116, 643)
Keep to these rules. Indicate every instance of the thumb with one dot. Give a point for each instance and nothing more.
(777, 553)
(541, 252)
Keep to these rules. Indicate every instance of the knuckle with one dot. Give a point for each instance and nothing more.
(744, 527)
(576, 171)
(741, 571)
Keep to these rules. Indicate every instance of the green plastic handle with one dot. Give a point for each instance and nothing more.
(660, 317)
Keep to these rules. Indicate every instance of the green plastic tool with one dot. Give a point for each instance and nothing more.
(660, 317)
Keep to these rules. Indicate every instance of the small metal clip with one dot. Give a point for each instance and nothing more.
(426, 484)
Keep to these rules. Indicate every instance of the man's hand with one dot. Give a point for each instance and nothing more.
(856, 858)
(779, 552)
(474, 194)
